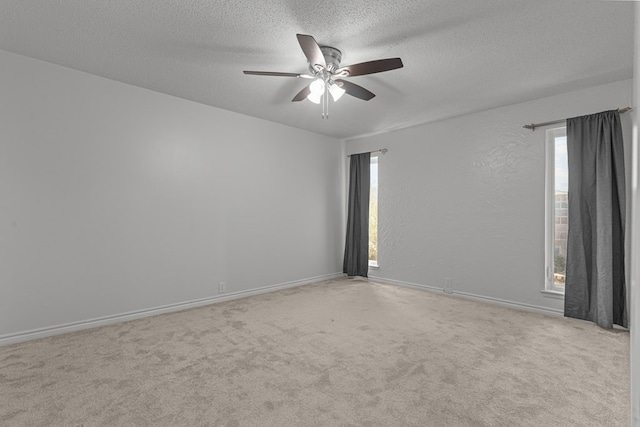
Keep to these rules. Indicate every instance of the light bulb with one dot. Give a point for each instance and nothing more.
(317, 86)
(336, 91)
(314, 97)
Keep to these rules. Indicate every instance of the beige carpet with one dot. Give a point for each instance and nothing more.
(338, 353)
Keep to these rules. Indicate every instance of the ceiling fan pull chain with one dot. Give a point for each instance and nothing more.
(326, 100)
(324, 103)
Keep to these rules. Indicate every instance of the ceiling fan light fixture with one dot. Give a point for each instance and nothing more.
(315, 97)
(317, 87)
(336, 92)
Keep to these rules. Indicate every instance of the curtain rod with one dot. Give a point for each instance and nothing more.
(381, 150)
(533, 126)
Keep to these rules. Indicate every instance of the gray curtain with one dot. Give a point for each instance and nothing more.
(356, 248)
(595, 280)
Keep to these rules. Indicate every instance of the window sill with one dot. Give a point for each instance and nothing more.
(373, 265)
(552, 294)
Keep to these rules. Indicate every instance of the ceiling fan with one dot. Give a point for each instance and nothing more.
(327, 75)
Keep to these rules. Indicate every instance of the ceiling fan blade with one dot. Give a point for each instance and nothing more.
(311, 50)
(277, 74)
(355, 90)
(302, 94)
(370, 67)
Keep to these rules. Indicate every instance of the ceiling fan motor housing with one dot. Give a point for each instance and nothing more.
(332, 57)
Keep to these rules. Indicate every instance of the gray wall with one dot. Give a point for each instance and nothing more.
(116, 199)
(464, 198)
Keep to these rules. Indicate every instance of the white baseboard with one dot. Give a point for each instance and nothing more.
(491, 300)
(138, 314)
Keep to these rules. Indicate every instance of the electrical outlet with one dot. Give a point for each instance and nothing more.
(222, 287)
(448, 285)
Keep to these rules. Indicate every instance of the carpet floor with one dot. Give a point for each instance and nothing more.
(335, 353)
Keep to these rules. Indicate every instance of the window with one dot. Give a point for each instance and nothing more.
(557, 204)
(373, 213)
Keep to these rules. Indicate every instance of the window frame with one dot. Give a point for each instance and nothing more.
(374, 159)
(549, 286)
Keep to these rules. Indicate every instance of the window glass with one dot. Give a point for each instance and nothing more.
(557, 209)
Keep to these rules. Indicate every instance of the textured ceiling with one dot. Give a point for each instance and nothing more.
(459, 56)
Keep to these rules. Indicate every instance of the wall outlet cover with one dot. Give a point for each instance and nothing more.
(448, 285)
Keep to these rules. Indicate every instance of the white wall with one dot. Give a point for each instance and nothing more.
(116, 199)
(464, 198)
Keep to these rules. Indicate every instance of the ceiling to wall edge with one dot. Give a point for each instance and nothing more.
(420, 122)
(470, 113)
